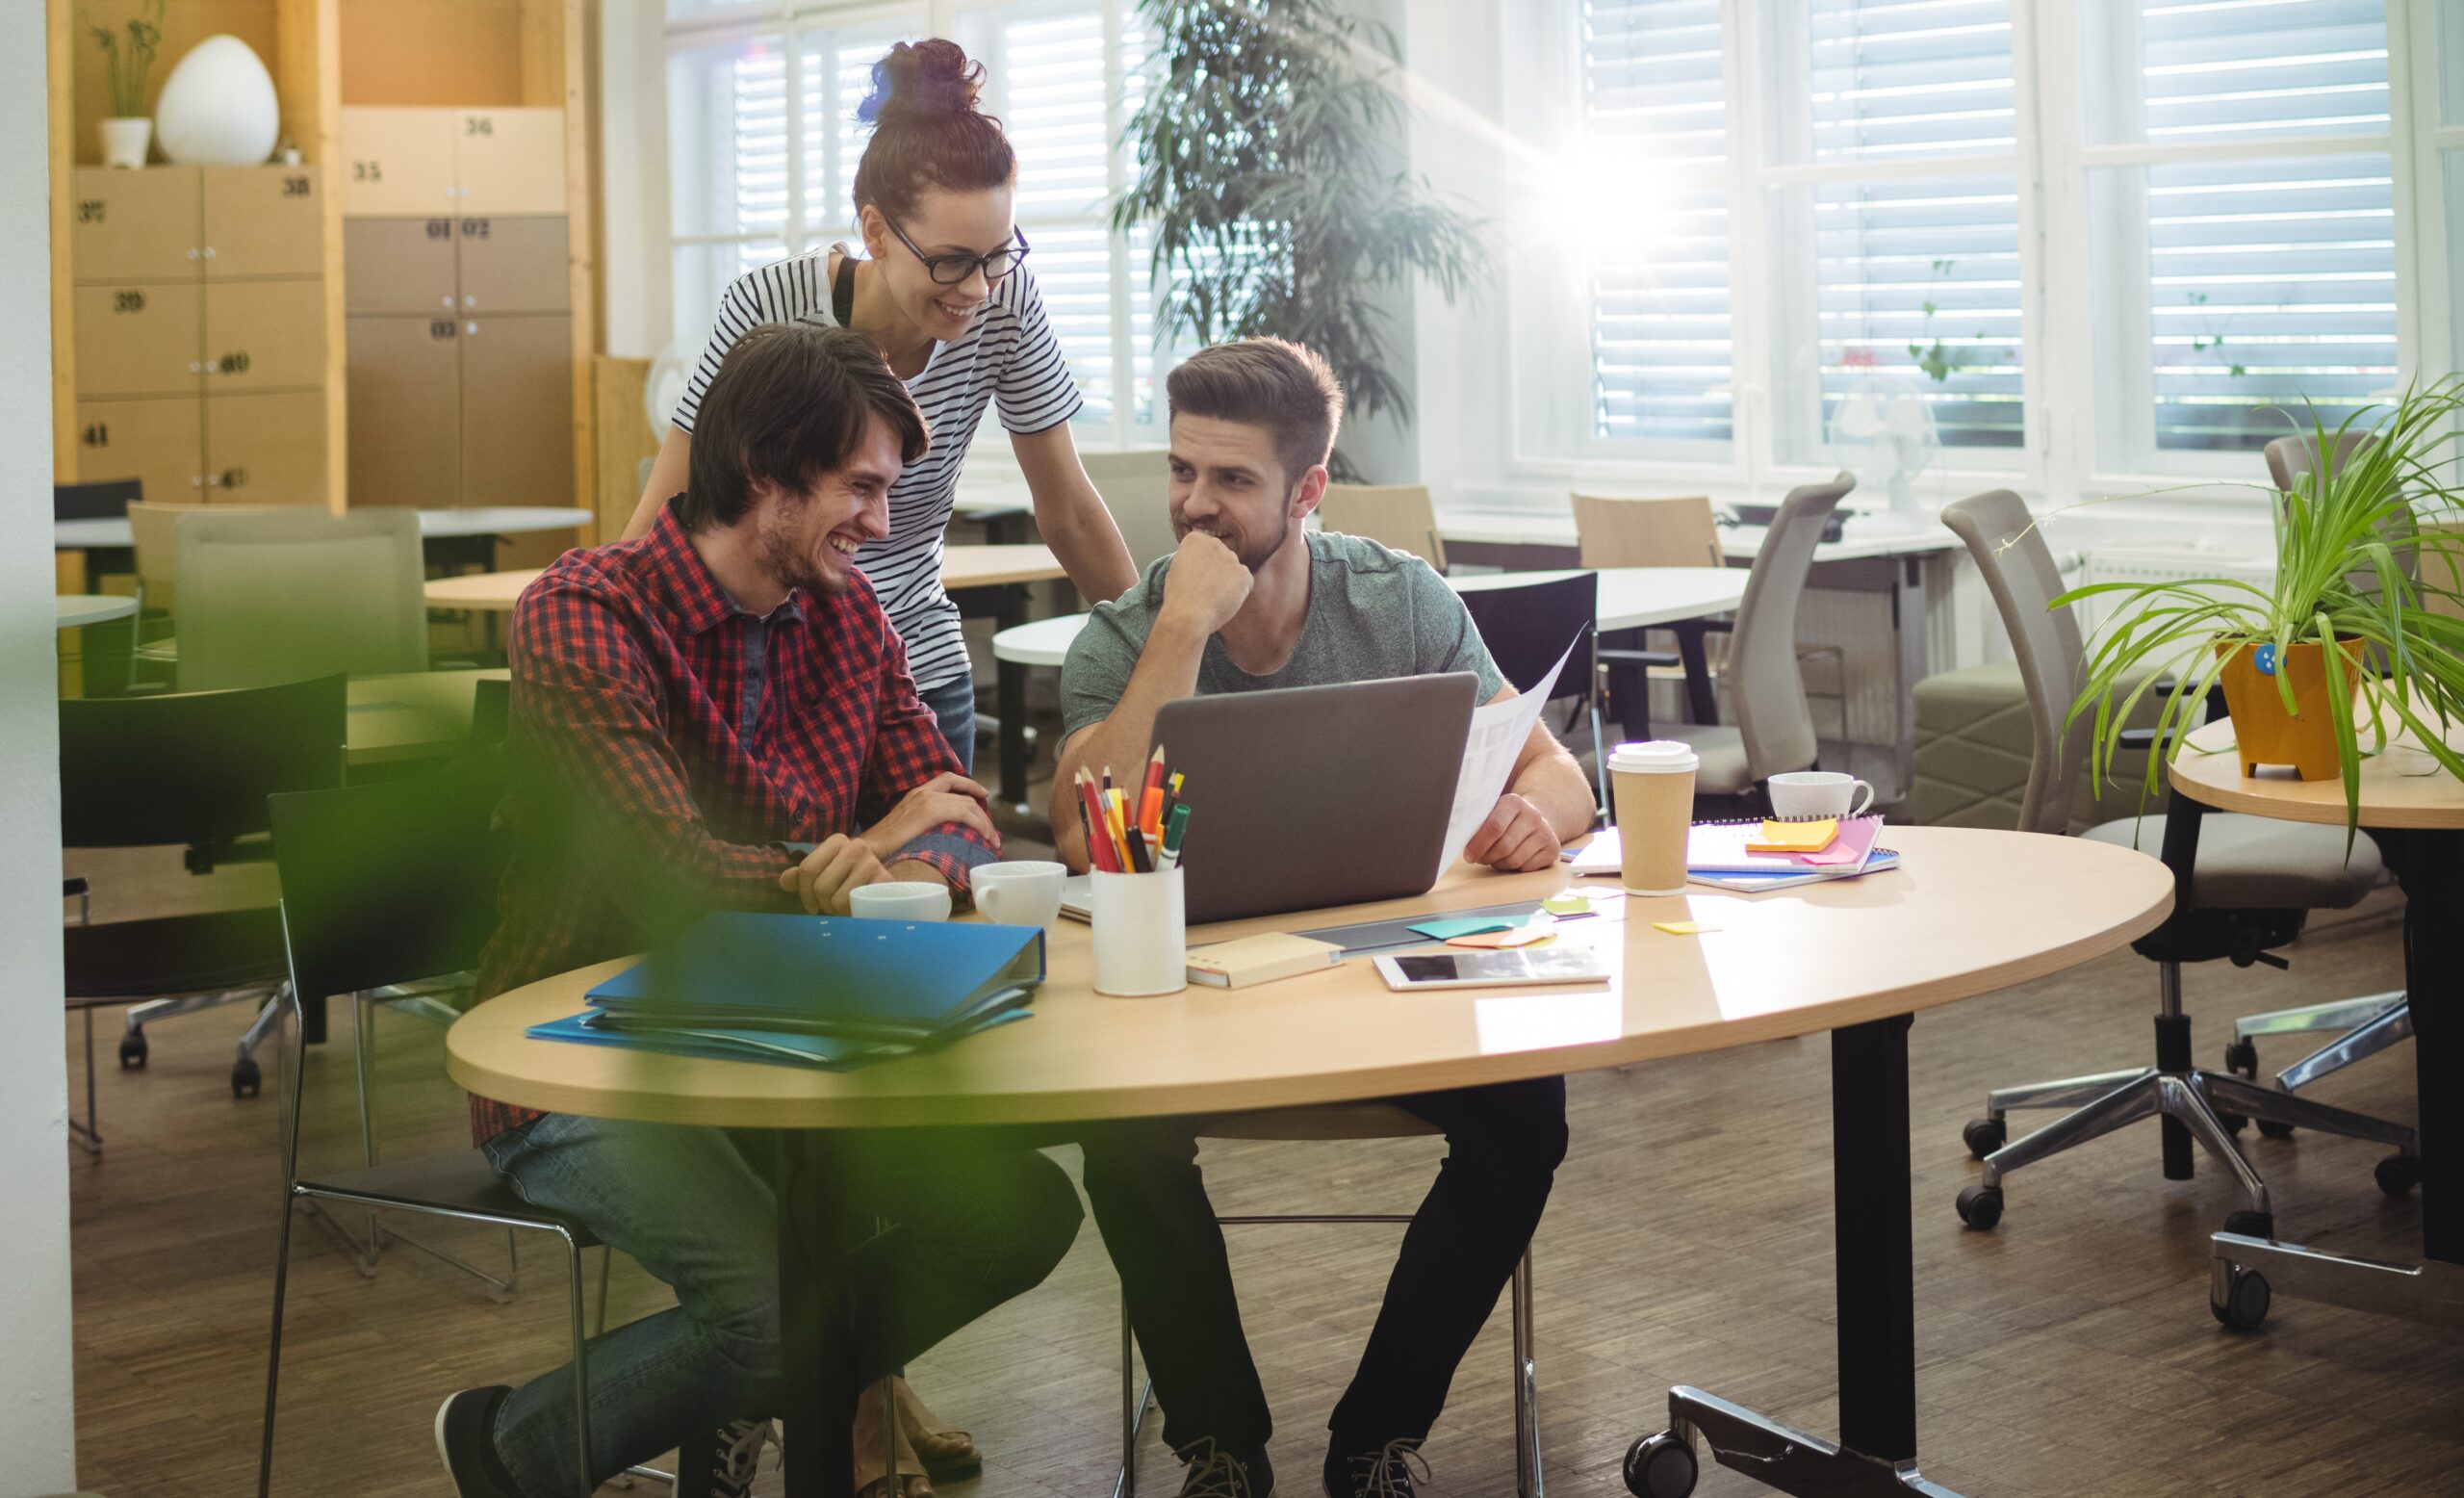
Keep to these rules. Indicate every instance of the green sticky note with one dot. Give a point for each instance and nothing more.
(1566, 905)
(1448, 930)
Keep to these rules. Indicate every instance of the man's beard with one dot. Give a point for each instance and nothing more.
(1253, 555)
(778, 551)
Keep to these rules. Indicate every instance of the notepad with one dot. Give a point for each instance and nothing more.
(1260, 959)
(1806, 836)
(1727, 848)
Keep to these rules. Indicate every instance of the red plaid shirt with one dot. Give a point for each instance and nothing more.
(639, 796)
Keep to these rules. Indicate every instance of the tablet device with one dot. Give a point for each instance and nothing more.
(1516, 968)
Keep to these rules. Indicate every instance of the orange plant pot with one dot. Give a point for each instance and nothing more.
(2264, 732)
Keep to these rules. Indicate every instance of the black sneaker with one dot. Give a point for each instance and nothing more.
(1388, 1471)
(721, 1464)
(1216, 1473)
(465, 1432)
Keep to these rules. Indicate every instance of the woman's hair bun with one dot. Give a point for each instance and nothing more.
(933, 76)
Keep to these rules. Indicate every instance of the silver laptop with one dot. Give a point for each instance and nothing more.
(1312, 797)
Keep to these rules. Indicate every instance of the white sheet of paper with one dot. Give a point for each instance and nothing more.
(1498, 729)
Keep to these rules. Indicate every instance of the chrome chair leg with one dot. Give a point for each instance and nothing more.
(2184, 1099)
(577, 1282)
(2238, 1095)
(2066, 1092)
(1133, 1399)
(2128, 1103)
(2391, 1026)
(2343, 1015)
(1528, 1480)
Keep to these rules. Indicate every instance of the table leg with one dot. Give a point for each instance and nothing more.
(2431, 866)
(1010, 703)
(818, 1385)
(1875, 1452)
(1702, 698)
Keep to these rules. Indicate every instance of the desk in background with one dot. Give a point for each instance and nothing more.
(1967, 914)
(2414, 809)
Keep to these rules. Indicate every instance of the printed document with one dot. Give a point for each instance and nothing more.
(1498, 729)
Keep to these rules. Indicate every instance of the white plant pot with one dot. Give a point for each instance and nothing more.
(125, 140)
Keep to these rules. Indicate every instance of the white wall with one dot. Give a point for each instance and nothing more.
(38, 1443)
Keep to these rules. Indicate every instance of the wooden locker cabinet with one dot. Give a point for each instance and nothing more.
(517, 410)
(265, 448)
(159, 443)
(397, 162)
(135, 226)
(262, 220)
(139, 338)
(513, 263)
(263, 335)
(400, 266)
(509, 161)
(405, 385)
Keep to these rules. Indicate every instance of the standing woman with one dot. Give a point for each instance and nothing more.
(943, 294)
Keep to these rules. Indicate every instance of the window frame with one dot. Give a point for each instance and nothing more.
(792, 23)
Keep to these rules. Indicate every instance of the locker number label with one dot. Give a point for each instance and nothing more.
(479, 125)
(98, 434)
(128, 301)
(368, 172)
(93, 209)
(474, 228)
(236, 363)
(294, 186)
(234, 478)
(439, 228)
(441, 329)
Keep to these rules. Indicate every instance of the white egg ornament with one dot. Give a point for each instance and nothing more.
(217, 107)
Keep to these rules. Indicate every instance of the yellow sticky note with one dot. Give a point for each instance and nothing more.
(1778, 837)
(1683, 927)
(1566, 905)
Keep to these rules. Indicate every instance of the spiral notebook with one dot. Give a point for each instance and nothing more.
(1715, 855)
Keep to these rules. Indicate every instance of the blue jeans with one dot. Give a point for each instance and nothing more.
(969, 1228)
(953, 703)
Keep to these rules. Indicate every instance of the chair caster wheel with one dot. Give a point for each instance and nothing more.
(2234, 1123)
(132, 1052)
(1984, 1136)
(2274, 1130)
(2246, 1302)
(1661, 1467)
(2242, 1059)
(2398, 1174)
(2251, 1224)
(247, 1080)
(1980, 1206)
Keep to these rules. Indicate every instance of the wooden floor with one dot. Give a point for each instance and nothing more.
(2071, 1353)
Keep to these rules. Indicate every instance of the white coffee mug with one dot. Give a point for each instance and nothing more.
(900, 899)
(1818, 793)
(1024, 893)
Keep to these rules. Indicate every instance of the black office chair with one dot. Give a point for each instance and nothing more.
(2256, 882)
(1526, 627)
(109, 499)
(382, 884)
(189, 769)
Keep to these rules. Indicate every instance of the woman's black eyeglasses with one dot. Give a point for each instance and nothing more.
(954, 269)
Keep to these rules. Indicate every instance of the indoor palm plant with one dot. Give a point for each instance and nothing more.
(2346, 617)
(1269, 145)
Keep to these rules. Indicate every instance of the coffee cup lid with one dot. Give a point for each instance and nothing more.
(1658, 756)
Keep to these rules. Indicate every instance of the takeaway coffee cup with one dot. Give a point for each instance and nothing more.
(1023, 894)
(1819, 794)
(1654, 786)
(900, 899)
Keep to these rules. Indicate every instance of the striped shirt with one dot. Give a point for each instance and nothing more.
(1009, 357)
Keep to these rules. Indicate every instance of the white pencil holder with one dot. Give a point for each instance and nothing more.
(1142, 934)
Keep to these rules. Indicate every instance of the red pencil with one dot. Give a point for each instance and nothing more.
(1099, 841)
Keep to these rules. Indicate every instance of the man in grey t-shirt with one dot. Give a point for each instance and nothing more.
(1248, 601)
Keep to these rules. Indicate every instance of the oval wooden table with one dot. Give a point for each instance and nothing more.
(1968, 912)
(2414, 809)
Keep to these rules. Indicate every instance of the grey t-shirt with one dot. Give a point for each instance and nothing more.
(1372, 613)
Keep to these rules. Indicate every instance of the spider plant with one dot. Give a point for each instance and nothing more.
(2350, 551)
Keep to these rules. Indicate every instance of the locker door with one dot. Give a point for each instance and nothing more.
(513, 264)
(139, 340)
(264, 220)
(159, 443)
(397, 162)
(517, 410)
(263, 335)
(265, 448)
(405, 396)
(399, 264)
(509, 161)
(136, 225)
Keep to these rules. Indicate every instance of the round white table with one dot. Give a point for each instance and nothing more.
(1631, 598)
(78, 609)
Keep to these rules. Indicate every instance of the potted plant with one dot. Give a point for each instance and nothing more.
(128, 132)
(2345, 620)
(1272, 184)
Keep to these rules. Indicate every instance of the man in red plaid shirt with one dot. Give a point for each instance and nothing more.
(719, 715)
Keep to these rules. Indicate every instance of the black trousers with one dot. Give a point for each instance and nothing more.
(1503, 1144)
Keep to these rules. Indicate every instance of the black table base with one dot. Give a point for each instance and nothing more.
(1876, 1253)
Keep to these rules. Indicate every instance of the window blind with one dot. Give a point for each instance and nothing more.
(2270, 280)
(1053, 64)
(1653, 103)
(1917, 278)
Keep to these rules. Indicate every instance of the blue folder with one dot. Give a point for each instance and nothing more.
(777, 1048)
